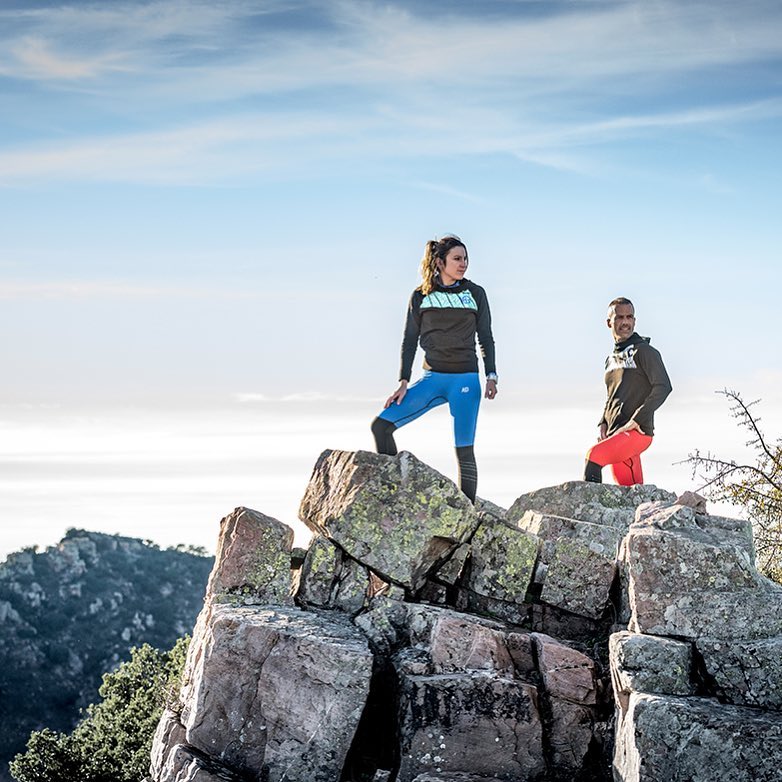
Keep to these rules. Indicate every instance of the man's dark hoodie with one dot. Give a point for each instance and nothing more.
(637, 385)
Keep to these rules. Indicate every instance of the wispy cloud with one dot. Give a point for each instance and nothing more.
(445, 190)
(370, 43)
(623, 126)
(243, 145)
(222, 148)
(37, 59)
(380, 81)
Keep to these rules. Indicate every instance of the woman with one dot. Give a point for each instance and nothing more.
(446, 312)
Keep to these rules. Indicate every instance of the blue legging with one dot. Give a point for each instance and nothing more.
(461, 391)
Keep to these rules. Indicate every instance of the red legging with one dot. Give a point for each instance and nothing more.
(623, 452)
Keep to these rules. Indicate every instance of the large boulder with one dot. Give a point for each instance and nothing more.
(457, 686)
(502, 563)
(449, 640)
(577, 561)
(696, 740)
(319, 572)
(745, 672)
(580, 525)
(650, 664)
(253, 560)
(570, 695)
(329, 578)
(566, 672)
(274, 693)
(459, 643)
(598, 503)
(450, 578)
(681, 514)
(686, 579)
(394, 514)
(477, 723)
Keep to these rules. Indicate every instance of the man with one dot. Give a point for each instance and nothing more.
(637, 385)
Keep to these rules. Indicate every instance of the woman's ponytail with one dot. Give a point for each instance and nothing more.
(429, 268)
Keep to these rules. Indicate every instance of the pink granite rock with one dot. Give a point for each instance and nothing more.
(276, 693)
(460, 643)
(478, 723)
(567, 673)
(253, 560)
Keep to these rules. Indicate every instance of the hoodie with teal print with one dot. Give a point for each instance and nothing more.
(637, 384)
(445, 322)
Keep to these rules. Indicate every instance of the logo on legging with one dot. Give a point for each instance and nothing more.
(622, 360)
(465, 389)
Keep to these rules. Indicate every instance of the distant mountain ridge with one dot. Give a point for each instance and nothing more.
(72, 612)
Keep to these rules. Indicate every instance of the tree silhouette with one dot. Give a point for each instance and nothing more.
(755, 486)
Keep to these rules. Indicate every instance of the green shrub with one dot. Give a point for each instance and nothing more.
(112, 743)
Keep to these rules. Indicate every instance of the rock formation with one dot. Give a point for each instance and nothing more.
(697, 676)
(588, 633)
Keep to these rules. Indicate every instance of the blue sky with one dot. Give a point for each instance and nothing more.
(213, 215)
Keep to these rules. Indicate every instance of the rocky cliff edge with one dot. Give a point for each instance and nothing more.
(589, 632)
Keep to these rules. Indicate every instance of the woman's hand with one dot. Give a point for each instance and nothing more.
(398, 395)
(491, 389)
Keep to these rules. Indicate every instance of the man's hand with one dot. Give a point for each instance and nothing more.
(491, 389)
(398, 395)
(601, 434)
(630, 426)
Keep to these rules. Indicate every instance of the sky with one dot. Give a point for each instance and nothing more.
(213, 213)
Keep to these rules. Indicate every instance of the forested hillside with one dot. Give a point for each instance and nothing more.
(72, 612)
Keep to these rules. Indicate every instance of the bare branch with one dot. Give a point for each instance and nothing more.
(757, 487)
(750, 422)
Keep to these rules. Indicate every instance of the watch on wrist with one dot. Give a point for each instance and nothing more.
(492, 376)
